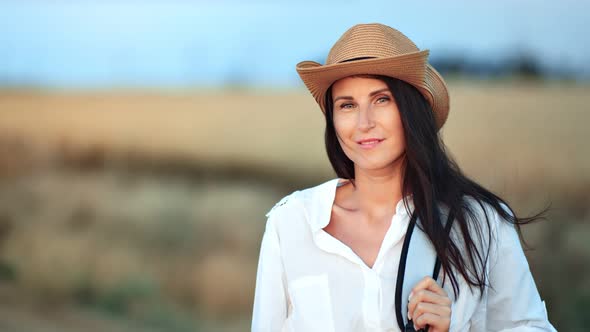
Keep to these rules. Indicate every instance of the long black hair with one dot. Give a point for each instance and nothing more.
(432, 178)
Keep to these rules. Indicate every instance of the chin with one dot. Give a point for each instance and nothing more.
(375, 166)
(379, 164)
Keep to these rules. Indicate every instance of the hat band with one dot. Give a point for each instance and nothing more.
(356, 59)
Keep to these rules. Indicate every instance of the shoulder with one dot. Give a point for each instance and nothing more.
(308, 203)
(288, 200)
(479, 212)
(483, 223)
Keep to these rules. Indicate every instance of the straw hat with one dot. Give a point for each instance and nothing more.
(379, 50)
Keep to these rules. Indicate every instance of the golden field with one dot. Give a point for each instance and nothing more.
(141, 211)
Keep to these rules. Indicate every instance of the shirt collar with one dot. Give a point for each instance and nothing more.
(318, 203)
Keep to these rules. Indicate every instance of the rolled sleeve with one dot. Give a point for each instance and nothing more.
(514, 303)
(270, 302)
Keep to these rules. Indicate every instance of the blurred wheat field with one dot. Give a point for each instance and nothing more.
(285, 130)
(150, 205)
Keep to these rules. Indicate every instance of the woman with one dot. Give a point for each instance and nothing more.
(331, 254)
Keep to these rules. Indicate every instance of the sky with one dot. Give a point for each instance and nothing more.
(96, 44)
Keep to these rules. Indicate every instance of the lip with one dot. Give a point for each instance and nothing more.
(373, 143)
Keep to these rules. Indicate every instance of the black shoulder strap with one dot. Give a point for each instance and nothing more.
(401, 274)
(426, 253)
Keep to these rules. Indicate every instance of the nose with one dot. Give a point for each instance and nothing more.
(365, 118)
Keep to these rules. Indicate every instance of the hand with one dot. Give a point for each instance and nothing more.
(429, 305)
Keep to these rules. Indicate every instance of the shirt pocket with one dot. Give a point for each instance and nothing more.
(312, 304)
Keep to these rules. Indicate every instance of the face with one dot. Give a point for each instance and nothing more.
(368, 124)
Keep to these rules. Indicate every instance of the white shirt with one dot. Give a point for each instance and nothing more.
(309, 281)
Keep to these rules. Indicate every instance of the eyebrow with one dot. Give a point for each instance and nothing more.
(370, 94)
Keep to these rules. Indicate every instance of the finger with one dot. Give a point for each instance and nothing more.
(426, 296)
(435, 287)
(422, 308)
(430, 284)
(429, 308)
(436, 323)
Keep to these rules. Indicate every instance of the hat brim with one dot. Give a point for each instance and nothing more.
(410, 67)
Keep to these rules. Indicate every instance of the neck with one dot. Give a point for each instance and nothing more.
(377, 194)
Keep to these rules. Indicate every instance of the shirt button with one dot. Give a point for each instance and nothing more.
(372, 290)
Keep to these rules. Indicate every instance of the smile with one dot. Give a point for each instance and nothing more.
(370, 143)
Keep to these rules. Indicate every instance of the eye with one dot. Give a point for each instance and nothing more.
(383, 99)
(346, 106)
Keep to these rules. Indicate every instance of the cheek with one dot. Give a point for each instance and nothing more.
(399, 137)
(397, 127)
(342, 127)
(343, 134)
